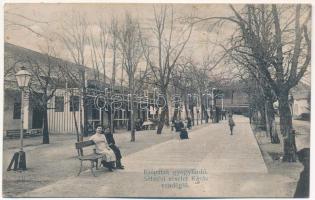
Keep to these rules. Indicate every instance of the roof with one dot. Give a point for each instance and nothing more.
(16, 56)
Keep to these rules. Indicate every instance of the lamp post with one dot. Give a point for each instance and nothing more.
(222, 103)
(23, 78)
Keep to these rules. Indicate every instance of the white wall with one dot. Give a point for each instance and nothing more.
(62, 122)
(300, 106)
(8, 122)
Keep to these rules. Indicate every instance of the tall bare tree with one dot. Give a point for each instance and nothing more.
(171, 42)
(130, 43)
(46, 79)
(114, 32)
(75, 39)
(278, 47)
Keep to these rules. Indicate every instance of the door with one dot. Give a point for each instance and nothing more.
(37, 120)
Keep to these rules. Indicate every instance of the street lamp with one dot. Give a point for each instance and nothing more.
(23, 78)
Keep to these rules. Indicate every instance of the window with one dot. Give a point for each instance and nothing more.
(59, 104)
(95, 114)
(17, 111)
(74, 103)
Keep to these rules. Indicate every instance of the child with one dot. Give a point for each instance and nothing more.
(231, 123)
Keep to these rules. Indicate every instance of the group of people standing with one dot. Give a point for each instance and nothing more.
(217, 114)
(105, 145)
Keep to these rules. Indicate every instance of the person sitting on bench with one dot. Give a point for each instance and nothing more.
(179, 125)
(111, 142)
(183, 134)
(103, 148)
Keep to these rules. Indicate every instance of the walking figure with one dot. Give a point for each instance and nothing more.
(231, 123)
(223, 114)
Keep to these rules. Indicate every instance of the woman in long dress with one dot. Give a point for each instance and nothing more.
(103, 148)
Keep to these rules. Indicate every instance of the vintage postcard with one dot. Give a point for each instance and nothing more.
(156, 100)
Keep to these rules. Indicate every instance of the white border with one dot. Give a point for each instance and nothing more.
(312, 188)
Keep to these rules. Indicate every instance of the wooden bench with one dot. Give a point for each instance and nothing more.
(26, 133)
(14, 133)
(92, 157)
(35, 132)
(148, 125)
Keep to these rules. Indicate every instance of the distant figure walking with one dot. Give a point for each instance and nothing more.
(231, 122)
(223, 114)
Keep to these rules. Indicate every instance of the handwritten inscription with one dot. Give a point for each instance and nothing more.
(175, 178)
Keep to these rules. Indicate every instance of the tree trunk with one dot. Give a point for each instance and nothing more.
(215, 114)
(45, 127)
(167, 116)
(289, 147)
(262, 118)
(85, 107)
(271, 123)
(205, 113)
(114, 67)
(161, 121)
(175, 114)
(85, 118)
(164, 118)
(132, 120)
(80, 121)
(164, 112)
(76, 126)
(267, 121)
(129, 120)
(111, 116)
(192, 114)
(186, 109)
(139, 111)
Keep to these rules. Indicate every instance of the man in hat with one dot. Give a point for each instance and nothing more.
(111, 142)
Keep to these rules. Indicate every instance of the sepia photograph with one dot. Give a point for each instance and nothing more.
(156, 100)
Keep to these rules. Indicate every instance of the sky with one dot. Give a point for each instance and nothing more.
(47, 18)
